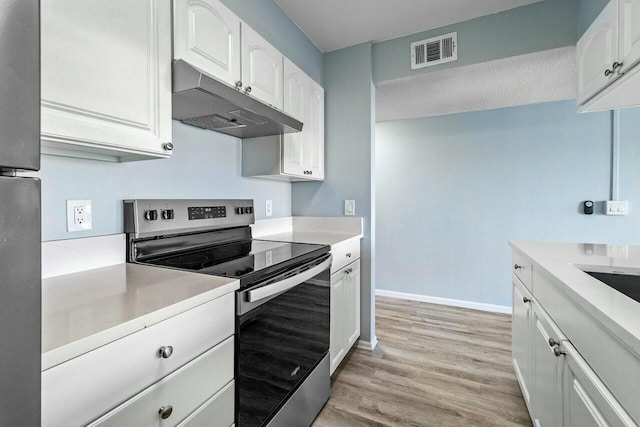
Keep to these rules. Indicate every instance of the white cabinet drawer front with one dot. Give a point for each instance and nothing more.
(216, 412)
(617, 366)
(587, 402)
(184, 391)
(344, 254)
(522, 267)
(76, 391)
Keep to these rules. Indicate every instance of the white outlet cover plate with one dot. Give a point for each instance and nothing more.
(268, 208)
(616, 207)
(349, 207)
(72, 224)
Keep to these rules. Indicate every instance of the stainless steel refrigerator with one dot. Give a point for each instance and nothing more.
(20, 275)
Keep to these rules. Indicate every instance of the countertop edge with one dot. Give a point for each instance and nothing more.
(622, 334)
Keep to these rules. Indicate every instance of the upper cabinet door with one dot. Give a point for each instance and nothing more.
(597, 51)
(295, 104)
(314, 127)
(262, 68)
(629, 33)
(207, 36)
(106, 78)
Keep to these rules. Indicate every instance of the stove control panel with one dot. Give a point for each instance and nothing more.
(158, 217)
(207, 212)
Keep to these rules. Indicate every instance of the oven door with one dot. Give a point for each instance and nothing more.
(282, 334)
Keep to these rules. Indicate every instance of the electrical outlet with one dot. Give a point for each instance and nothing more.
(78, 215)
(350, 207)
(616, 207)
(268, 211)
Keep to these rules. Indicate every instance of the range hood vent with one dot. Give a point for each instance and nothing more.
(202, 101)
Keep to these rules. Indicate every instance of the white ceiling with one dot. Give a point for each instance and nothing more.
(519, 80)
(334, 24)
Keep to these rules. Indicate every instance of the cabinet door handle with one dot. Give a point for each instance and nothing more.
(553, 343)
(165, 351)
(348, 254)
(557, 351)
(518, 267)
(616, 65)
(165, 411)
(526, 300)
(167, 146)
(238, 84)
(247, 89)
(608, 72)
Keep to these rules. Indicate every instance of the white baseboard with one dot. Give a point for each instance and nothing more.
(367, 345)
(446, 301)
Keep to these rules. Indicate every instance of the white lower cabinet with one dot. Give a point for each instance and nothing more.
(522, 339)
(560, 387)
(179, 364)
(345, 312)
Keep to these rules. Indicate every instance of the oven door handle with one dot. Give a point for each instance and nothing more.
(288, 283)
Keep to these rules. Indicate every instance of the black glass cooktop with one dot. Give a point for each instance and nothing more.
(628, 284)
(241, 259)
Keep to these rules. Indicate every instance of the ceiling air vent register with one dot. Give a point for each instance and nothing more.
(434, 51)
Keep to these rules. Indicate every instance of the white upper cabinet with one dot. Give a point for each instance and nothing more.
(609, 59)
(207, 35)
(629, 33)
(597, 50)
(315, 131)
(262, 68)
(106, 79)
(296, 96)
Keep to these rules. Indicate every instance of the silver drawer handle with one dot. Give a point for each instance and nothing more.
(553, 343)
(165, 352)
(518, 267)
(557, 351)
(165, 411)
(526, 300)
(348, 271)
(348, 254)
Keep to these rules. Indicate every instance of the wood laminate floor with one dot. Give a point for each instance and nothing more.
(434, 366)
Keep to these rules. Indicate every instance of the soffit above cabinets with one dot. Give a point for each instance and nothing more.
(335, 24)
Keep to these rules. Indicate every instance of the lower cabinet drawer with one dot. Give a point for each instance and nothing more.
(344, 254)
(75, 392)
(216, 412)
(178, 395)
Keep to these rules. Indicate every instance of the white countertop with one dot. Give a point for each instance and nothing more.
(85, 310)
(319, 237)
(617, 312)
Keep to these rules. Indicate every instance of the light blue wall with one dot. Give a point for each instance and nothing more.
(540, 26)
(349, 147)
(205, 164)
(588, 10)
(452, 190)
(276, 27)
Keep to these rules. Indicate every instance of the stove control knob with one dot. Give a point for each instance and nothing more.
(168, 214)
(240, 211)
(248, 210)
(151, 215)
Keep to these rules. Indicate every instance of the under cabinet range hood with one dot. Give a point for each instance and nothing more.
(202, 101)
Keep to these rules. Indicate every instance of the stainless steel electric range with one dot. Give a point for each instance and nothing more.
(282, 306)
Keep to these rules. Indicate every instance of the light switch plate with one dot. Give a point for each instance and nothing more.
(616, 207)
(349, 207)
(268, 211)
(79, 215)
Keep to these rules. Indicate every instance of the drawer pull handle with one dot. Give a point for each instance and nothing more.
(526, 300)
(165, 411)
(557, 352)
(348, 271)
(348, 254)
(553, 343)
(518, 267)
(165, 352)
